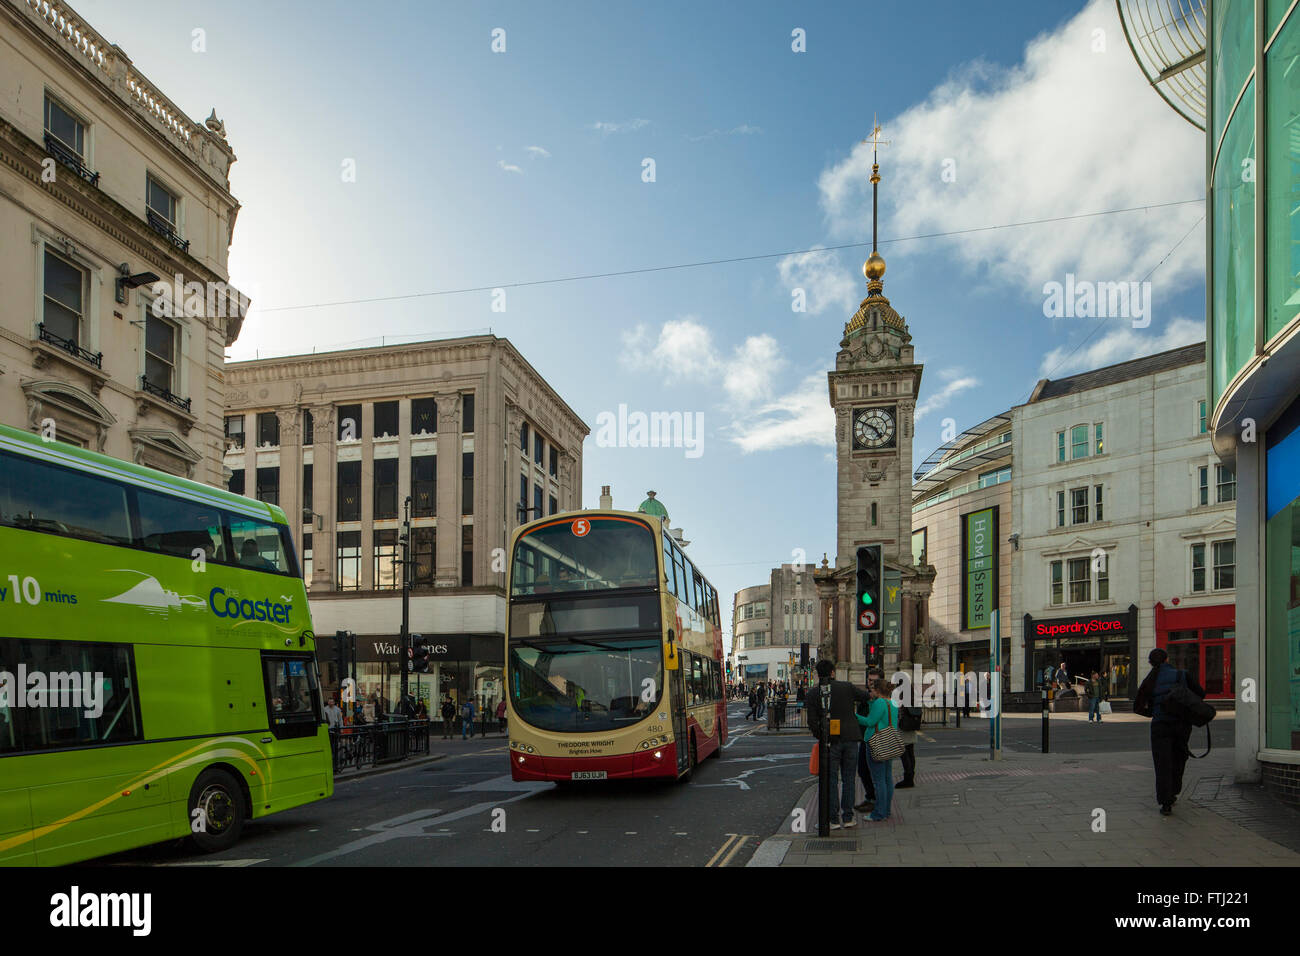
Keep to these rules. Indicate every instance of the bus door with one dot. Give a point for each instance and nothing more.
(678, 703)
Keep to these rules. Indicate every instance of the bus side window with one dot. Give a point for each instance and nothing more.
(38, 496)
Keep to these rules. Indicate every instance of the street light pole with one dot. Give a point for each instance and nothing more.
(405, 660)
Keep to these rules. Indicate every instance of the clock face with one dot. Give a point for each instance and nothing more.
(873, 428)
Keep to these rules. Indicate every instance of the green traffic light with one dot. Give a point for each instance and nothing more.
(866, 598)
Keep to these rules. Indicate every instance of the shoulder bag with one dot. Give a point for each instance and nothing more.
(885, 743)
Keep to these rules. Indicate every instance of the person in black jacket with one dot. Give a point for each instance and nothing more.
(1169, 732)
(842, 746)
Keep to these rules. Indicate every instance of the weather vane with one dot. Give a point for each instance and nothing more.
(875, 140)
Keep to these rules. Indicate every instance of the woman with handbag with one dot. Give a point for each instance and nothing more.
(880, 727)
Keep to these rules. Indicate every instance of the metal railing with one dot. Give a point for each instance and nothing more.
(165, 394)
(68, 157)
(165, 229)
(71, 347)
(386, 741)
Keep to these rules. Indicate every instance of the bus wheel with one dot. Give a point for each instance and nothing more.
(216, 793)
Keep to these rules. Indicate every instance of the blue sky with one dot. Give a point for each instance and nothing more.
(476, 168)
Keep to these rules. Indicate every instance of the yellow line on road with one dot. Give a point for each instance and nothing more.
(734, 849)
(722, 849)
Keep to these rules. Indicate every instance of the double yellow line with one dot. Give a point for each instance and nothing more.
(731, 846)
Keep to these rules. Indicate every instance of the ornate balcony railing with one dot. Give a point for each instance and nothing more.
(68, 157)
(165, 394)
(72, 348)
(166, 230)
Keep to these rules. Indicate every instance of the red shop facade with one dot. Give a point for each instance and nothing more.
(1201, 641)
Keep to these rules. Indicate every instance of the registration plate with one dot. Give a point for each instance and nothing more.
(590, 775)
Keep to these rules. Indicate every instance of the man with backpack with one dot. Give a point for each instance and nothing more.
(1163, 698)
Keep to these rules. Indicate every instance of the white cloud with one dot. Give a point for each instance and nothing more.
(1065, 131)
(1121, 345)
(748, 376)
(955, 383)
(684, 350)
(624, 127)
(508, 167)
(744, 129)
(537, 152)
(823, 277)
(800, 417)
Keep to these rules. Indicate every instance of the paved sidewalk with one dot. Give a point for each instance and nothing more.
(1036, 810)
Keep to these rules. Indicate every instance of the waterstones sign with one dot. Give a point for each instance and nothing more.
(979, 582)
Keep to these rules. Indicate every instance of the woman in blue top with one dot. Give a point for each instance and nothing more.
(882, 713)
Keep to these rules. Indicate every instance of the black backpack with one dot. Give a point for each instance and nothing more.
(1182, 702)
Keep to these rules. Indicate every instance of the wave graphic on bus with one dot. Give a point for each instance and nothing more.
(149, 593)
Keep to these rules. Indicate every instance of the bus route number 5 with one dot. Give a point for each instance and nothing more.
(581, 527)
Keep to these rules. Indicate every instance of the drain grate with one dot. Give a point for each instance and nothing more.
(829, 846)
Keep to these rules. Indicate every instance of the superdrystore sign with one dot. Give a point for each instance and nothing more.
(1079, 627)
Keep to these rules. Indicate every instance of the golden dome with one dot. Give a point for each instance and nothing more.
(874, 267)
(884, 312)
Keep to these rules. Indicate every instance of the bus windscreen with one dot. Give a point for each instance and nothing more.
(585, 685)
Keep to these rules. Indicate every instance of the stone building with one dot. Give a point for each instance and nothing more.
(466, 430)
(771, 621)
(111, 199)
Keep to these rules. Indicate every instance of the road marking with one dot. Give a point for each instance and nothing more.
(216, 862)
(722, 849)
(735, 849)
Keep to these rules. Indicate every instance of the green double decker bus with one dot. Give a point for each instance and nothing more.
(158, 672)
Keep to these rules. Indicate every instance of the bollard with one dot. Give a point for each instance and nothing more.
(1046, 697)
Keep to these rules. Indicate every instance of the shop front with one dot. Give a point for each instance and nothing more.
(460, 666)
(1106, 643)
(1203, 642)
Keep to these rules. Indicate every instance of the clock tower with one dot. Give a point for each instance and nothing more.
(873, 390)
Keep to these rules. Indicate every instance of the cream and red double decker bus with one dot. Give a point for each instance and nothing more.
(613, 651)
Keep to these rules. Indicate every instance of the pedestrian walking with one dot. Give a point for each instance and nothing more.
(501, 716)
(882, 716)
(843, 746)
(333, 714)
(467, 719)
(448, 715)
(1094, 696)
(1169, 732)
(753, 704)
(909, 722)
(762, 701)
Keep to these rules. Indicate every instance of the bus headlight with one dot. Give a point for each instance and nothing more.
(659, 755)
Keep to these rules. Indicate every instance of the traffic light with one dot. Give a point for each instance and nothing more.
(419, 654)
(803, 655)
(872, 650)
(869, 607)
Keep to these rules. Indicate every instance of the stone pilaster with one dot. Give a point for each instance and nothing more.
(324, 475)
(449, 492)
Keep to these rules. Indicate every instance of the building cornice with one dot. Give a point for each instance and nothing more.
(107, 68)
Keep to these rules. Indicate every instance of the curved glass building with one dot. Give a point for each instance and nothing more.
(1253, 357)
